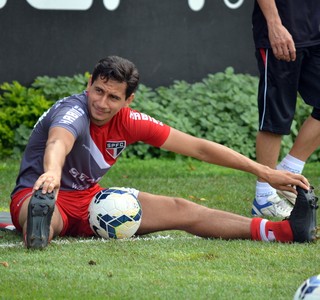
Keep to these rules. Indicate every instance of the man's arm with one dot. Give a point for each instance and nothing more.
(280, 39)
(59, 144)
(217, 154)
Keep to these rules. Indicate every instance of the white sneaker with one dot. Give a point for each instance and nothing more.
(291, 197)
(275, 207)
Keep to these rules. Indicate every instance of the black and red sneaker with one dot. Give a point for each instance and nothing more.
(303, 218)
(40, 210)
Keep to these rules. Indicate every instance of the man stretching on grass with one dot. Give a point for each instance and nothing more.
(78, 140)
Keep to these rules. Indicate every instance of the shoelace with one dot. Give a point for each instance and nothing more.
(281, 205)
(284, 205)
(284, 210)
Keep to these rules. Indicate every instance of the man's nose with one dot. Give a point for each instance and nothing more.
(105, 102)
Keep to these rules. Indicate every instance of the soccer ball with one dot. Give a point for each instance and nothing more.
(309, 289)
(114, 213)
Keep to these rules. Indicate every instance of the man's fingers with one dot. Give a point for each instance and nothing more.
(45, 183)
(285, 52)
(289, 188)
(302, 182)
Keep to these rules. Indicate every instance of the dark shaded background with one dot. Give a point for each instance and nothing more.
(164, 38)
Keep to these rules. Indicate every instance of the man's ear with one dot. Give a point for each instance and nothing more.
(129, 99)
(89, 82)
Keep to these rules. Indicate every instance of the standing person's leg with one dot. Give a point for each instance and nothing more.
(276, 102)
(267, 202)
(308, 139)
(268, 148)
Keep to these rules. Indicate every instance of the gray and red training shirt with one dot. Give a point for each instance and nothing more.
(96, 148)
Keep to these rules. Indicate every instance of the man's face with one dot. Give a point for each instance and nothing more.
(105, 99)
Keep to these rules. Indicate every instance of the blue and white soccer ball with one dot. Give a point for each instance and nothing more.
(309, 289)
(114, 213)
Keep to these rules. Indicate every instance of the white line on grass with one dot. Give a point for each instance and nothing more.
(90, 240)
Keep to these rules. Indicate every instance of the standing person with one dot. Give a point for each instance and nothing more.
(77, 141)
(287, 40)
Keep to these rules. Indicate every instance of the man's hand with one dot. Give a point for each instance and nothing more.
(281, 43)
(285, 181)
(47, 182)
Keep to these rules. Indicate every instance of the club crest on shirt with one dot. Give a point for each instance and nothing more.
(114, 149)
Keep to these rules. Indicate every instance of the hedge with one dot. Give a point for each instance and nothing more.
(222, 108)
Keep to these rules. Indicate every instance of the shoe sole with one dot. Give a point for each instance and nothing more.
(314, 205)
(308, 234)
(312, 200)
(40, 211)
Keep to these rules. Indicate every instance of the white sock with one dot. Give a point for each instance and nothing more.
(263, 191)
(291, 164)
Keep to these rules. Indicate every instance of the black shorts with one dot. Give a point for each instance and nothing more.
(279, 84)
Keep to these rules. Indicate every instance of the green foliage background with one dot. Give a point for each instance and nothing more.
(222, 108)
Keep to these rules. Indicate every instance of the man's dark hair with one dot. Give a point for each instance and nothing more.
(118, 69)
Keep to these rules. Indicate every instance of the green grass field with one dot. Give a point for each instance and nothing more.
(165, 265)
